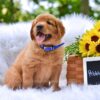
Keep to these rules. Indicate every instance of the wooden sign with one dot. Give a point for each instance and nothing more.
(91, 68)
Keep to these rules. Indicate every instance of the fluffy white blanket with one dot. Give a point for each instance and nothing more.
(13, 38)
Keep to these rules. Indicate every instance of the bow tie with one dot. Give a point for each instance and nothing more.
(51, 48)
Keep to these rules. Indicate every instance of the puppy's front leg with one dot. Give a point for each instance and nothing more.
(55, 77)
(28, 73)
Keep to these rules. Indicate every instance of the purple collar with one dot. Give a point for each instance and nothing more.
(47, 49)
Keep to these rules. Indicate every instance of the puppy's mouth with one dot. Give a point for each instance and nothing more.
(41, 37)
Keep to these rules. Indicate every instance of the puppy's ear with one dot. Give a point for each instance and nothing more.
(60, 28)
(31, 31)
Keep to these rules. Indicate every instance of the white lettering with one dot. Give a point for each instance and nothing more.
(93, 73)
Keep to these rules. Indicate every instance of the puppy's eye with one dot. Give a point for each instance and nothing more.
(48, 22)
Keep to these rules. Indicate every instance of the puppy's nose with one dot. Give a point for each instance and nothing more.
(39, 27)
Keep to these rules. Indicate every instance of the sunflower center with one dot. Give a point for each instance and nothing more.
(98, 48)
(94, 38)
(99, 30)
(87, 46)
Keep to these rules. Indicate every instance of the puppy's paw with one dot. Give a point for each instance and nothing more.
(12, 79)
(13, 85)
(56, 88)
(46, 85)
(27, 84)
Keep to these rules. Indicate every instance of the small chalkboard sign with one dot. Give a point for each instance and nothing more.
(91, 68)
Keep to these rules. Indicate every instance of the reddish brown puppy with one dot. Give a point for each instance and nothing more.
(35, 67)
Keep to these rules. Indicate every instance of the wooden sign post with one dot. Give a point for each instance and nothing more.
(91, 69)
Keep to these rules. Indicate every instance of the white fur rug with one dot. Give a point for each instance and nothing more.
(67, 93)
(13, 38)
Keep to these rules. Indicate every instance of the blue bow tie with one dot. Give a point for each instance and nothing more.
(51, 48)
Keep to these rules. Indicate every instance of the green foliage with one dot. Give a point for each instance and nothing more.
(68, 6)
(97, 1)
(10, 10)
(73, 49)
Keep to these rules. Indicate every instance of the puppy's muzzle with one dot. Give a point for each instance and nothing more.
(41, 34)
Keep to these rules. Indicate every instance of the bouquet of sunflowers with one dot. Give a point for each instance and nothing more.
(88, 45)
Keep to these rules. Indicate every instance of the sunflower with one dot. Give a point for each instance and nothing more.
(96, 48)
(92, 35)
(97, 26)
(84, 47)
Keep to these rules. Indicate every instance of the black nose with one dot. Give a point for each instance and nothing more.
(39, 27)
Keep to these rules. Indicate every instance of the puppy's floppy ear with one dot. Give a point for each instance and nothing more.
(31, 31)
(60, 28)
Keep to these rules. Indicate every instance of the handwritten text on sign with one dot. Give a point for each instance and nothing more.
(92, 70)
(93, 73)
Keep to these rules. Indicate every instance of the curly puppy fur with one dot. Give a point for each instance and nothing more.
(34, 67)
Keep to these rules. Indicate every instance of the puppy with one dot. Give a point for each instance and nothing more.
(39, 64)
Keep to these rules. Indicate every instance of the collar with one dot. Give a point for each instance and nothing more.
(51, 48)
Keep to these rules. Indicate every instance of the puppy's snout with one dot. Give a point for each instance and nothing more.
(39, 27)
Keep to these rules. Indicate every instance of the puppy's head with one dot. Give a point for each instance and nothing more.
(47, 29)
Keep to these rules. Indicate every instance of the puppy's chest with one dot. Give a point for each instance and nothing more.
(50, 59)
(45, 66)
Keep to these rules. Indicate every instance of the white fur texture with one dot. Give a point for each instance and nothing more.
(14, 37)
(75, 26)
(72, 92)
